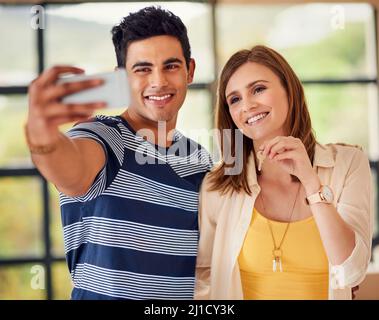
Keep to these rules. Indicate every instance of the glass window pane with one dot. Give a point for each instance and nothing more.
(18, 59)
(24, 282)
(318, 40)
(56, 228)
(340, 113)
(13, 150)
(20, 218)
(62, 283)
(80, 34)
(195, 117)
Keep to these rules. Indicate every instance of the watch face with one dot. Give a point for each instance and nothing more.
(327, 193)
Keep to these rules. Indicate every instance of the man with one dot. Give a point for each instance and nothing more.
(129, 201)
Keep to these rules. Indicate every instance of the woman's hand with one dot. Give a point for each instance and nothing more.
(290, 154)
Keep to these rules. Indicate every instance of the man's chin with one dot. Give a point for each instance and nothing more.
(162, 115)
(164, 118)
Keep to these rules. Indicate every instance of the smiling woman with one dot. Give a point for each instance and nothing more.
(297, 225)
(265, 90)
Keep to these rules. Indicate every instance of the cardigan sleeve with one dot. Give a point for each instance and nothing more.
(355, 205)
(207, 227)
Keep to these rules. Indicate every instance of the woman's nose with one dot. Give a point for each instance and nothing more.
(247, 105)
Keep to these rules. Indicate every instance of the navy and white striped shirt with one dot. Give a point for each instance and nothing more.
(134, 234)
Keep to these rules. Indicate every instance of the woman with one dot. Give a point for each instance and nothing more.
(301, 226)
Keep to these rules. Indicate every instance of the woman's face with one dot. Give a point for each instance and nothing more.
(257, 102)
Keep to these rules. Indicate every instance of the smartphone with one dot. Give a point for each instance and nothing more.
(115, 90)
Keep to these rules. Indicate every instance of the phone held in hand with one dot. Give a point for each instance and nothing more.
(115, 91)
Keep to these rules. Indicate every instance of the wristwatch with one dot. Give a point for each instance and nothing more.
(324, 195)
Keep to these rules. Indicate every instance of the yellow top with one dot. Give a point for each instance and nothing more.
(304, 262)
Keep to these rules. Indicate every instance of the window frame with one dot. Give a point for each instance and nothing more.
(48, 259)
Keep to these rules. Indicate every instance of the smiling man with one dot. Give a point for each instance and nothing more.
(130, 229)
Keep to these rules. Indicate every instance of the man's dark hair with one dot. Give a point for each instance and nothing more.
(145, 23)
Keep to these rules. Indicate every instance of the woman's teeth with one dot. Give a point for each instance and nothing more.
(257, 117)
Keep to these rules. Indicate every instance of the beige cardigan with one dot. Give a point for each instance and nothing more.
(224, 221)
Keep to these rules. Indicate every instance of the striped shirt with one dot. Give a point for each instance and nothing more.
(134, 234)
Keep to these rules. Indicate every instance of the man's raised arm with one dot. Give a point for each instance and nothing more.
(70, 164)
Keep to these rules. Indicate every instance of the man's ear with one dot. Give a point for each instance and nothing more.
(191, 71)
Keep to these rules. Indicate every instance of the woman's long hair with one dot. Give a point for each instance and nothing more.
(298, 122)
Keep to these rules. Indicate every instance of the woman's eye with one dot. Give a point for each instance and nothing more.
(233, 100)
(259, 89)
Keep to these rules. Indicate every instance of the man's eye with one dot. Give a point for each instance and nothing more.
(172, 66)
(259, 89)
(142, 70)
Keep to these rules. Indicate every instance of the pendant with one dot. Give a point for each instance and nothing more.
(277, 253)
(260, 158)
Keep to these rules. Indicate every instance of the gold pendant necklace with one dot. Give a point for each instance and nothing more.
(277, 251)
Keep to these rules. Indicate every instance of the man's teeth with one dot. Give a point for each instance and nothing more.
(257, 117)
(160, 97)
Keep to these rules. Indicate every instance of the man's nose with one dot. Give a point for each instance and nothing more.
(158, 79)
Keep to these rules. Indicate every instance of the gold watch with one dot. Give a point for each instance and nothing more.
(324, 195)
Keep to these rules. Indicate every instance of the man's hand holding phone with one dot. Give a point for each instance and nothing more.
(71, 164)
(47, 111)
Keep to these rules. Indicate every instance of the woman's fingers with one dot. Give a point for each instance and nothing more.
(279, 145)
(267, 145)
(286, 155)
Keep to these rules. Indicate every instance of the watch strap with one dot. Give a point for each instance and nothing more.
(314, 198)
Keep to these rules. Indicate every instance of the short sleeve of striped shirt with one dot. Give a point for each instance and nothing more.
(106, 131)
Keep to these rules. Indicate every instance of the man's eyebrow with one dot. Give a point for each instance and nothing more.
(172, 60)
(251, 84)
(149, 64)
(142, 64)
